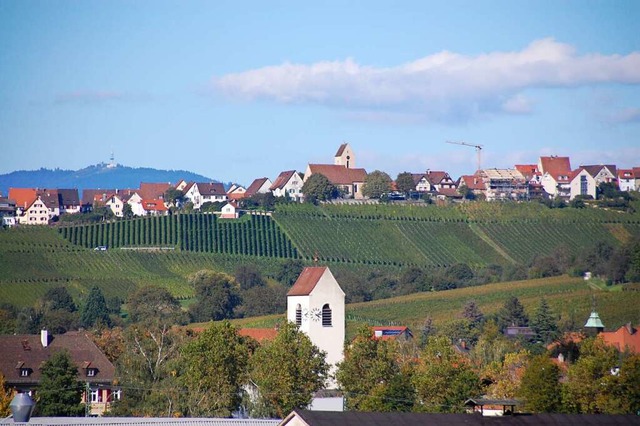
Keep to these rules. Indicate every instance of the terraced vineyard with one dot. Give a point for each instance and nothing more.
(477, 233)
(254, 235)
(33, 259)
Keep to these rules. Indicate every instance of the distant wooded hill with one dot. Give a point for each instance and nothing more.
(96, 176)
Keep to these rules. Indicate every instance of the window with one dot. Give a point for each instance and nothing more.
(24, 372)
(91, 372)
(584, 185)
(298, 315)
(326, 316)
(96, 396)
(115, 395)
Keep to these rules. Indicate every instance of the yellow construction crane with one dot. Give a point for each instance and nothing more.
(477, 147)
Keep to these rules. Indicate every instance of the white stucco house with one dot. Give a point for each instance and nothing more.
(582, 184)
(288, 183)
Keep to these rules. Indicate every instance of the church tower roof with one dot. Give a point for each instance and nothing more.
(594, 321)
(307, 281)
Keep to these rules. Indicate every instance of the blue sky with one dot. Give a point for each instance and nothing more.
(237, 90)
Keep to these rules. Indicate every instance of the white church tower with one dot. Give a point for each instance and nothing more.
(316, 304)
(345, 157)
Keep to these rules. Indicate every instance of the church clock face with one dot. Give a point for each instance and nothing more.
(315, 314)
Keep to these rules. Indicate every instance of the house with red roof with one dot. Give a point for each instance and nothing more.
(627, 180)
(153, 191)
(288, 184)
(474, 182)
(230, 211)
(259, 186)
(555, 175)
(534, 179)
(504, 184)
(236, 192)
(625, 338)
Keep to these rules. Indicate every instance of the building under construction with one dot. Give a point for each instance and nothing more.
(504, 184)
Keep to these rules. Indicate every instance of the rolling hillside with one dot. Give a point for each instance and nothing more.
(569, 298)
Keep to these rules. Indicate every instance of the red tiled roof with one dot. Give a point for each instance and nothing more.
(154, 205)
(417, 177)
(527, 170)
(27, 350)
(556, 166)
(472, 182)
(636, 171)
(282, 180)
(49, 197)
(626, 337)
(339, 175)
(307, 281)
(435, 177)
(626, 174)
(255, 186)
(89, 195)
(23, 197)
(259, 334)
(450, 192)
(153, 190)
(593, 170)
(340, 150)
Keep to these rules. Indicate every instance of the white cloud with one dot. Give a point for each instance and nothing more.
(442, 86)
(627, 115)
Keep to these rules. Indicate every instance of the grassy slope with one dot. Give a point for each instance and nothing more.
(571, 298)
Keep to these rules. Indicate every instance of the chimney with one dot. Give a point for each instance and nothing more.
(44, 338)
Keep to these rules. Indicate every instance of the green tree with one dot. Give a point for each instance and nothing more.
(57, 298)
(127, 211)
(471, 311)
(443, 378)
(370, 374)
(587, 379)
(149, 369)
(544, 324)
(154, 304)
(95, 311)
(249, 276)
(319, 188)
(59, 392)
(540, 386)
(287, 372)
(173, 196)
(217, 296)
(215, 371)
(376, 184)
(405, 183)
(289, 271)
(505, 377)
(512, 313)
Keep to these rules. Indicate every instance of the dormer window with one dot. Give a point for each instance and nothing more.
(24, 372)
(91, 372)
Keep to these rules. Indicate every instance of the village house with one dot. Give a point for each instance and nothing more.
(236, 192)
(7, 212)
(390, 332)
(343, 174)
(258, 186)
(626, 180)
(533, 178)
(229, 211)
(555, 175)
(22, 356)
(625, 338)
(582, 184)
(474, 183)
(288, 184)
(199, 193)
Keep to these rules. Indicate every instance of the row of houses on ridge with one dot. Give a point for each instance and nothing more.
(551, 177)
